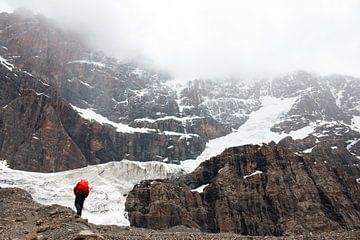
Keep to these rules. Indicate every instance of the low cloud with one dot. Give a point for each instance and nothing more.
(208, 38)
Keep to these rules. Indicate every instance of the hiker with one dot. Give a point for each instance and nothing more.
(81, 191)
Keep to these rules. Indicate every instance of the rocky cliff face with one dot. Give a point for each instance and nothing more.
(48, 71)
(120, 91)
(41, 131)
(255, 190)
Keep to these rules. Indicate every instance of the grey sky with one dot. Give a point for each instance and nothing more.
(208, 38)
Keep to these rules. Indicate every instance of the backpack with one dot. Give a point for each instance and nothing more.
(82, 186)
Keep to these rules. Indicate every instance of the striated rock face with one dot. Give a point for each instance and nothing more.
(46, 68)
(255, 190)
(40, 131)
(121, 91)
(180, 118)
(34, 137)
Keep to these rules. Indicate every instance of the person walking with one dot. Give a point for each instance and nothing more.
(81, 192)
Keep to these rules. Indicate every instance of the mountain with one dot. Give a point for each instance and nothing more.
(32, 46)
(140, 113)
(289, 143)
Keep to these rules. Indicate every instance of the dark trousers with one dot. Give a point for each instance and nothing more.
(79, 202)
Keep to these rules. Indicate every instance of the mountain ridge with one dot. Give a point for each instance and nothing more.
(180, 120)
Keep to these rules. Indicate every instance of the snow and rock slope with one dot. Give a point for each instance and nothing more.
(174, 121)
(255, 130)
(112, 181)
(109, 184)
(69, 107)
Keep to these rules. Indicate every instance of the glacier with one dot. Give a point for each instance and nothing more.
(256, 130)
(111, 182)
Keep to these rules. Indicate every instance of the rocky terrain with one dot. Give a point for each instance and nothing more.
(105, 110)
(41, 131)
(256, 190)
(22, 218)
(42, 78)
(64, 105)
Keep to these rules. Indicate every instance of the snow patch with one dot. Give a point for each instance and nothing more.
(179, 119)
(6, 64)
(86, 84)
(301, 133)
(42, 94)
(200, 189)
(120, 127)
(309, 150)
(356, 122)
(253, 174)
(139, 72)
(182, 135)
(352, 143)
(97, 64)
(27, 73)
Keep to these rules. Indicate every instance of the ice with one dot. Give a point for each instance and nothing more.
(108, 184)
(255, 130)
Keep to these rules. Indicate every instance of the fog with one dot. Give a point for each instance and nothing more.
(208, 38)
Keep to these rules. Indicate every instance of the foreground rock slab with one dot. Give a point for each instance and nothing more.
(22, 218)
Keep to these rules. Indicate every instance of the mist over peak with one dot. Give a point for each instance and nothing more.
(213, 39)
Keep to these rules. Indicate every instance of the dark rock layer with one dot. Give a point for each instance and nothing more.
(40, 131)
(291, 194)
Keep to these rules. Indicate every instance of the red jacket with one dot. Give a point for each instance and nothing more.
(82, 186)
